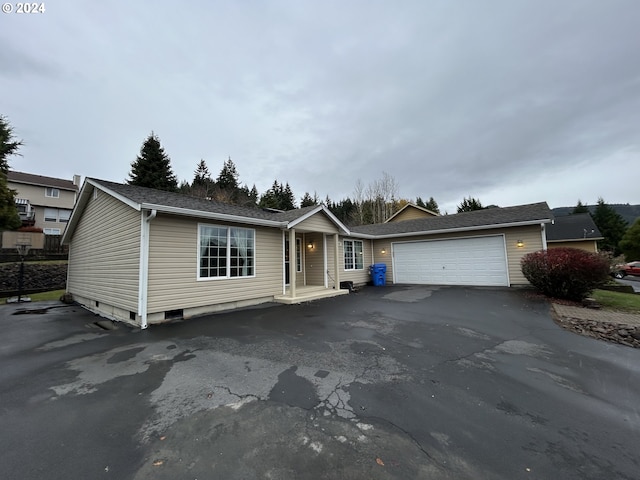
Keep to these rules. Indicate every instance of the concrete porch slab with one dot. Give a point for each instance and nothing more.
(306, 294)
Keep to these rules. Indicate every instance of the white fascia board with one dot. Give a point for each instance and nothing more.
(452, 230)
(187, 212)
(123, 199)
(319, 208)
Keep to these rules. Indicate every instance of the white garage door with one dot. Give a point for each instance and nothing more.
(460, 261)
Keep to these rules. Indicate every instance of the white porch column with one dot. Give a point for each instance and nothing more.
(337, 260)
(292, 262)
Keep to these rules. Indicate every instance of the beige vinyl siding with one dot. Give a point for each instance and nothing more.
(587, 245)
(173, 267)
(410, 213)
(104, 254)
(314, 261)
(358, 277)
(530, 235)
(36, 196)
(317, 223)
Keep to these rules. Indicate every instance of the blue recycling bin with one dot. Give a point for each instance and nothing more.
(378, 272)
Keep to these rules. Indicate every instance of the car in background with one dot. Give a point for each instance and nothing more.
(631, 268)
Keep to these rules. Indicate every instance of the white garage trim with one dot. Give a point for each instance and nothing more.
(476, 260)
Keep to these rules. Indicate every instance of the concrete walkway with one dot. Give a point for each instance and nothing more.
(597, 315)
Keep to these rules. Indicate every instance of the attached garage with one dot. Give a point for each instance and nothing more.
(459, 261)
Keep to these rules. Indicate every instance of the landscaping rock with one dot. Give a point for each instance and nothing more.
(37, 276)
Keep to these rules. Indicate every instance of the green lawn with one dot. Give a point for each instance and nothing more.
(40, 297)
(626, 302)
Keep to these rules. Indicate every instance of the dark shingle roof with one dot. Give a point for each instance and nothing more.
(150, 196)
(31, 179)
(490, 217)
(578, 226)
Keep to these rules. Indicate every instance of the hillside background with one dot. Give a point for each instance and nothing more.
(629, 212)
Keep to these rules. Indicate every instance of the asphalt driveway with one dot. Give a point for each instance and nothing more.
(388, 383)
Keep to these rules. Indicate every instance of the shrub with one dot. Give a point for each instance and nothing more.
(567, 273)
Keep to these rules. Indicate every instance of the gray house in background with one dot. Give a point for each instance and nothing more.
(44, 202)
(145, 256)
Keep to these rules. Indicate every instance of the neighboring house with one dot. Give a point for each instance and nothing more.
(577, 231)
(410, 211)
(145, 256)
(44, 202)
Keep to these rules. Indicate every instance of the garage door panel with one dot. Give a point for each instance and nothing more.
(462, 261)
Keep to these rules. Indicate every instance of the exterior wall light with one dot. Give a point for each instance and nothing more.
(519, 244)
(383, 251)
(310, 245)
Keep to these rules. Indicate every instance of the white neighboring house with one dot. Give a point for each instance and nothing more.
(44, 202)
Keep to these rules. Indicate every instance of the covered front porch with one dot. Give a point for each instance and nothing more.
(312, 258)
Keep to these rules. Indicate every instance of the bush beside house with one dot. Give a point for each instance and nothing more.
(567, 273)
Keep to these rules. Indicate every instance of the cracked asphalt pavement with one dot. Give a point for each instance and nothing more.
(387, 383)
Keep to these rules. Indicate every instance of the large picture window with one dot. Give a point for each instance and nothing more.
(353, 254)
(225, 252)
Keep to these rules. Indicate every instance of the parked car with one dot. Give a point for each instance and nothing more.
(631, 268)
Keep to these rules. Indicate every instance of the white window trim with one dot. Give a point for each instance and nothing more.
(55, 192)
(227, 276)
(51, 231)
(344, 251)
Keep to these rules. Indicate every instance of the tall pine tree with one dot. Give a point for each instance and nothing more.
(470, 204)
(152, 167)
(611, 225)
(580, 208)
(9, 218)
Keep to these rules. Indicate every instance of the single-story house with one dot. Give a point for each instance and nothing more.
(577, 231)
(146, 256)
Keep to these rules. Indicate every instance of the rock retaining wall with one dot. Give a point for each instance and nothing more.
(38, 277)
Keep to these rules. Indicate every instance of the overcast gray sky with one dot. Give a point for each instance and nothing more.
(507, 101)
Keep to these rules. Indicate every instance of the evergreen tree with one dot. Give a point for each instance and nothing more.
(432, 205)
(611, 225)
(228, 177)
(288, 200)
(271, 198)
(420, 202)
(202, 185)
(152, 168)
(580, 208)
(201, 177)
(307, 200)
(630, 243)
(9, 218)
(279, 196)
(470, 204)
(253, 194)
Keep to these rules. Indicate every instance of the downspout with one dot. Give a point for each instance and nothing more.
(144, 267)
(543, 231)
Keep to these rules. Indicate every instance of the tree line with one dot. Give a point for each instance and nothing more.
(372, 203)
(619, 237)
